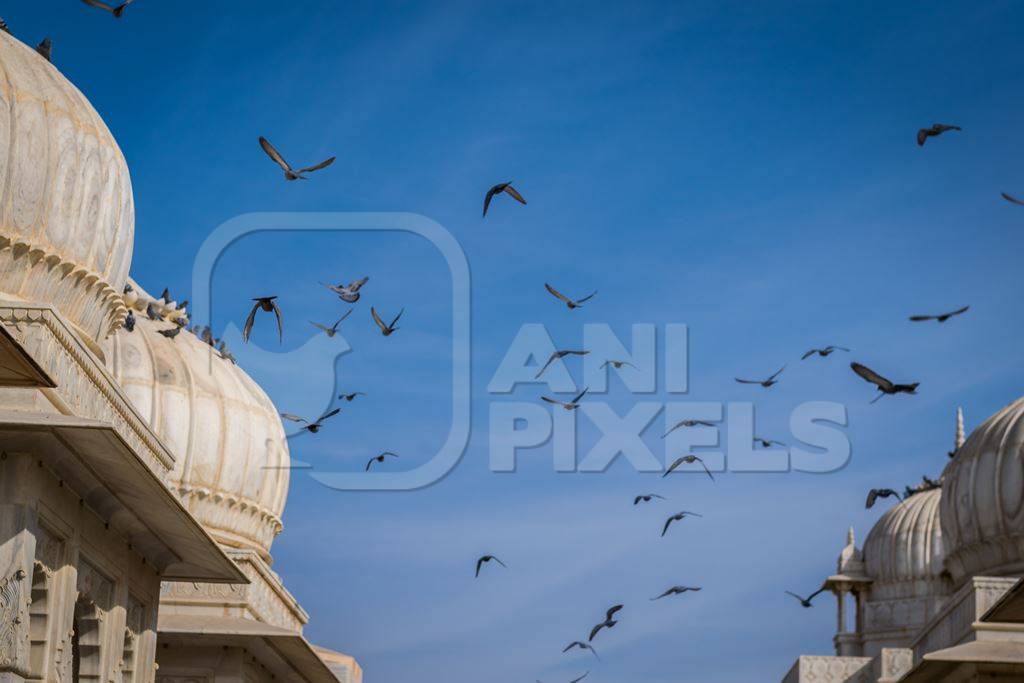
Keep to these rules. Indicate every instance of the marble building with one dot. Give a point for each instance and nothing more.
(935, 593)
(142, 478)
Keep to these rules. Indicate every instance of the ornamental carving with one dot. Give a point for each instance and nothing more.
(13, 613)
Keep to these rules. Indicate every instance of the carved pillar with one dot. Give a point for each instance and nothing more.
(17, 553)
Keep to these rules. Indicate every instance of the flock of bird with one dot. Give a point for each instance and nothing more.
(350, 293)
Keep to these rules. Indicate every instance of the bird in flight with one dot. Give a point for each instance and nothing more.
(884, 385)
(582, 646)
(569, 303)
(379, 458)
(875, 494)
(386, 330)
(575, 680)
(768, 443)
(289, 172)
(571, 405)
(679, 516)
(45, 49)
(617, 364)
(1012, 200)
(311, 427)
(806, 602)
(117, 10)
(498, 189)
(941, 317)
(936, 130)
(824, 353)
(677, 590)
(484, 559)
(687, 460)
(766, 383)
(556, 356)
(333, 329)
(646, 497)
(268, 304)
(608, 622)
(687, 423)
(348, 293)
(350, 397)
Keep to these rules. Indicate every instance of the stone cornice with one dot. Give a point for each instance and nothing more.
(36, 273)
(85, 386)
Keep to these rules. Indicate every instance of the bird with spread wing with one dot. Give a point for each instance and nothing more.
(557, 355)
(484, 559)
(498, 189)
(386, 329)
(935, 130)
(686, 460)
(766, 383)
(116, 10)
(824, 352)
(677, 590)
(609, 622)
(806, 602)
(939, 317)
(289, 172)
(269, 305)
(311, 427)
(348, 293)
(678, 517)
(885, 387)
(333, 329)
(379, 458)
(875, 494)
(571, 405)
(569, 303)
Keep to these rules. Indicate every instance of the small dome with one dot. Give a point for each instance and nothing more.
(231, 467)
(983, 509)
(904, 551)
(67, 218)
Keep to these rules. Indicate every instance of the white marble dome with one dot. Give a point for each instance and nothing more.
(983, 507)
(231, 468)
(904, 552)
(67, 216)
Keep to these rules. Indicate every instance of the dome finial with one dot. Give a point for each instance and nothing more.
(849, 536)
(959, 428)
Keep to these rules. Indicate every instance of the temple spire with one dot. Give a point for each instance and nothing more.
(849, 537)
(959, 428)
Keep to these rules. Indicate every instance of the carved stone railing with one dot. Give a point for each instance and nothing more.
(954, 623)
(265, 598)
(826, 669)
(892, 663)
(83, 385)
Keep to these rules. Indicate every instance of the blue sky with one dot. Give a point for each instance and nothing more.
(746, 169)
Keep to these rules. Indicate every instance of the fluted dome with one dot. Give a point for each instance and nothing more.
(231, 454)
(66, 210)
(904, 552)
(983, 509)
